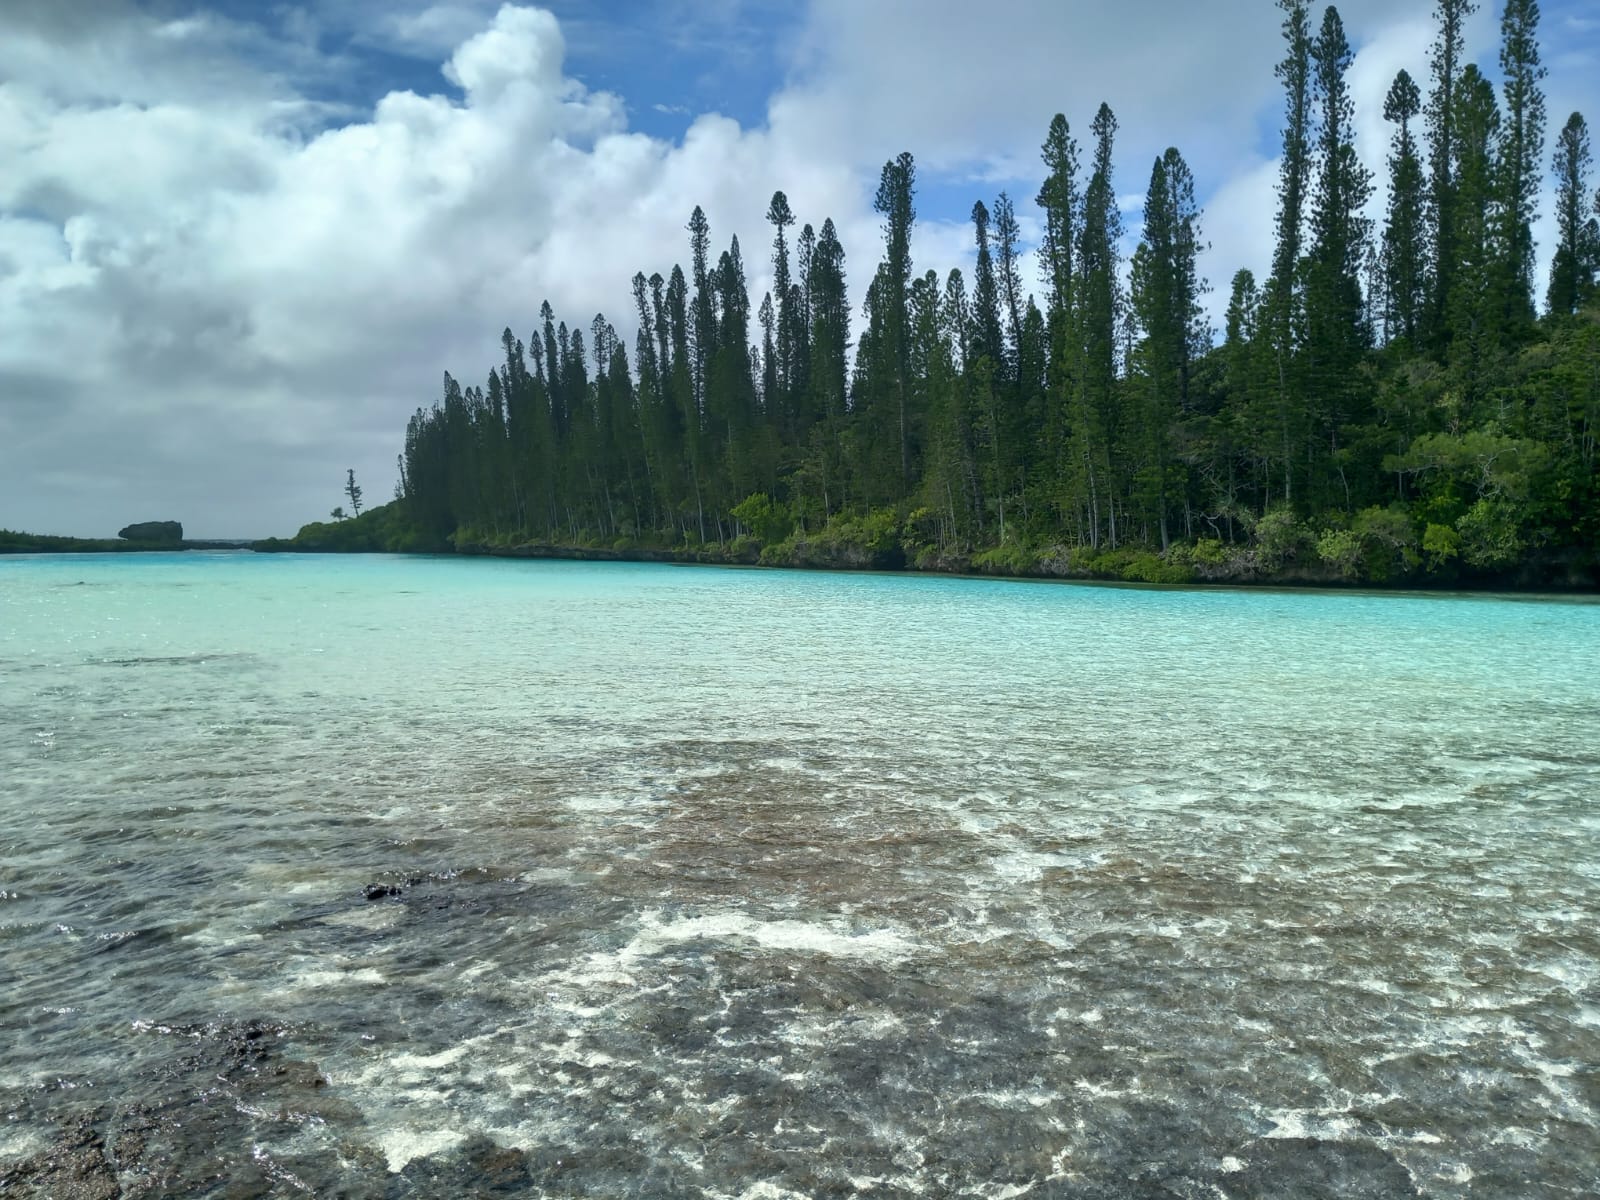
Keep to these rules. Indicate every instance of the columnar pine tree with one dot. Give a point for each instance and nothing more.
(1446, 65)
(1572, 271)
(895, 202)
(1474, 311)
(1520, 165)
(781, 405)
(1166, 302)
(1335, 333)
(1095, 419)
(1404, 236)
(1283, 300)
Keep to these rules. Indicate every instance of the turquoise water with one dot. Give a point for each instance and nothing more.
(413, 877)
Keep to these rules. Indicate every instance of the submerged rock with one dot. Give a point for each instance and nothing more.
(74, 1167)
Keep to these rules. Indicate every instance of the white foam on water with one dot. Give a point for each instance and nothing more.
(372, 917)
(1232, 1166)
(400, 1146)
(764, 1190)
(1017, 1099)
(18, 1143)
(315, 980)
(799, 937)
(429, 1062)
(1009, 1192)
(1323, 1124)
(1101, 1091)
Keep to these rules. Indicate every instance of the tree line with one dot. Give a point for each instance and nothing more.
(1394, 397)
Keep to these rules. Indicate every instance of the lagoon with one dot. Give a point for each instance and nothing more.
(416, 876)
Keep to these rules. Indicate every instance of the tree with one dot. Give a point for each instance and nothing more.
(1282, 309)
(1446, 66)
(353, 490)
(1521, 145)
(1335, 334)
(1094, 418)
(1475, 318)
(895, 203)
(1059, 198)
(1404, 247)
(1572, 271)
(1166, 291)
(785, 317)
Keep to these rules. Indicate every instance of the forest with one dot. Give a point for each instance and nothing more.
(1398, 399)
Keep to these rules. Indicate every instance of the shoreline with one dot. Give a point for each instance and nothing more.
(1051, 570)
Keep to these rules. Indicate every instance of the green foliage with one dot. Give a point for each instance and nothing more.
(15, 542)
(768, 521)
(1279, 538)
(384, 529)
(1440, 545)
(1490, 534)
(1341, 550)
(1133, 565)
(1008, 559)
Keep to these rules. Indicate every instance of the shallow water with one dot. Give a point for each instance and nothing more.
(416, 877)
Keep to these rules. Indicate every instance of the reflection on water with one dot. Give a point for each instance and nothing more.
(390, 877)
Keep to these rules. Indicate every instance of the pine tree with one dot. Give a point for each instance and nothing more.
(1473, 311)
(1446, 65)
(1094, 416)
(781, 403)
(1334, 339)
(1520, 151)
(1058, 197)
(1166, 301)
(1404, 237)
(895, 202)
(1283, 305)
(1572, 271)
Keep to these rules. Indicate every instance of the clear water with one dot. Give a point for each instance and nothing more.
(713, 883)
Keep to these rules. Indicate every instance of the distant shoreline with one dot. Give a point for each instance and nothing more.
(1534, 575)
(1527, 578)
(44, 543)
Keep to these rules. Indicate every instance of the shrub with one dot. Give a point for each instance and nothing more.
(1341, 550)
(1440, 544)
(1279, 538)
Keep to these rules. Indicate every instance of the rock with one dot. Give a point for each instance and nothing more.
(74, 1168)
(152, 531)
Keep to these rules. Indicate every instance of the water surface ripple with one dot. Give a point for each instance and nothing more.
(414, 877)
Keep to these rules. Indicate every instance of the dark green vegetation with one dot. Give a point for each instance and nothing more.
(1386, 406)
(149, 536)
(170, 532)
(14, 542)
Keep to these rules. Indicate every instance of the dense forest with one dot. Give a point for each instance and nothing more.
(1398, 399)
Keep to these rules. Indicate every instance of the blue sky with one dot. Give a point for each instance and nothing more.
(265, 229)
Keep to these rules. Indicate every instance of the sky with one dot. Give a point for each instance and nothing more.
(241, 241)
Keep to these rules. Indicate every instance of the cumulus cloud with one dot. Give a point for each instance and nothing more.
(209, 314)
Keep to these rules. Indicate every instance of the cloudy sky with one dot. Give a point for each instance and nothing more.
(240, 241)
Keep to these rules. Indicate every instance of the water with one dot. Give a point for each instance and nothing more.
(425, 877)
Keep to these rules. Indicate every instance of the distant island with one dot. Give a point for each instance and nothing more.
(140, 536)
(1387, 406)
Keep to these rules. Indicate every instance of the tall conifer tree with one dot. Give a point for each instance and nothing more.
(1520, 165)
(1404, 245)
